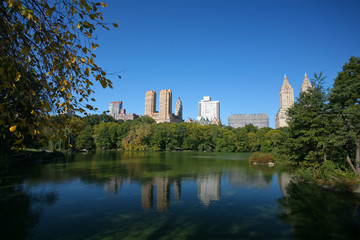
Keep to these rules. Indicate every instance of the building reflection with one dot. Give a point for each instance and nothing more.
(177, 189)
(147, 195)
(242, 178)
(156, 192)
(162, 193)
(113, 185)
(162, 185)
(284, 179)
(209, 187)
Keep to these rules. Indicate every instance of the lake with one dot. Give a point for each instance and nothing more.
(185, 195)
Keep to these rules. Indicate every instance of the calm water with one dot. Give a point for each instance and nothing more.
(113, 195)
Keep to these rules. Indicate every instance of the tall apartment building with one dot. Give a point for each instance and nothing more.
(241, 120)
(150, 103)
(165, 104)
(178, 108)
(209, 111)
(306, 84)
(287, 100)
(119, 113)
(165, 107)
(114, 107)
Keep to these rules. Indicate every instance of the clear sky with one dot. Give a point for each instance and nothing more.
(236, 51)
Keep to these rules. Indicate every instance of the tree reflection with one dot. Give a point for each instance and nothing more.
(19, 210)
(317, 213)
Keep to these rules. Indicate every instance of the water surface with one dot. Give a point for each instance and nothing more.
(115, 195)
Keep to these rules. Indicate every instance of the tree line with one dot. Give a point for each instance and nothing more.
(143, 134)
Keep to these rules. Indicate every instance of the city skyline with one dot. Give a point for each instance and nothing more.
(235, 51)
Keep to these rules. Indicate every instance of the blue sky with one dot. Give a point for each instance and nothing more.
(235, 51)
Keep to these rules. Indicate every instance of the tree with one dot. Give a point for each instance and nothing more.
(345, 105)
(46, 62)
(85, 139)
(308, 125)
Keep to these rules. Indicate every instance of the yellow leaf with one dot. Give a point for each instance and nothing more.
(73, 59)
(70, 145)
(78, 25)
(104, 4)
(13, 128)
(18, 76)
(18, 141)
(103, 83)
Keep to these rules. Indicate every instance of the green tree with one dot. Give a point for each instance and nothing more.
(241, 139)
(138, 138)
(47, 61)
(345, 106)
(85, 139)
(308, 125)
(102, 136)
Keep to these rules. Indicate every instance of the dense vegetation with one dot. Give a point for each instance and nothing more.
(324, 130)
(143, 134)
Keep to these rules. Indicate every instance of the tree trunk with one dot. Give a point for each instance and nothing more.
(357, 158)
(351, 165)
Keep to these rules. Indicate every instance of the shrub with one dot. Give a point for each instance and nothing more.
(261, 158)
(327, 174)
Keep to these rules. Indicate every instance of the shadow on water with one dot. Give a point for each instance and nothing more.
(20, 209)
(317, 213)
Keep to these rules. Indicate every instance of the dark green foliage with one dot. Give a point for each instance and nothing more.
(324, 130)
(95, 119)
(344, 104)
(85, 139)
(328, 174)
(308, 125)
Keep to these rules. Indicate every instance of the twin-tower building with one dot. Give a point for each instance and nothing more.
(165, 107)
(287, 100)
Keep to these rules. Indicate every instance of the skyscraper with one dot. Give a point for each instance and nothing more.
(306, 84)
(286, 101)
(165, 107)
(165, 104)
(150, 103)
(119, 113)
(209, 110)
(114, 107)
(178, 109)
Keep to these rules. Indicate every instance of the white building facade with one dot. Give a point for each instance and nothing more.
(209, 110)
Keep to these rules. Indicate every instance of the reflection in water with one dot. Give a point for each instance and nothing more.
(242, 178)
(70, 200)
(177, 189)
(284, 179)
(113, 185)
(162, 193)
(316, 213)
(21, 209)
(162, 186)
(147, 195)
(209, 187)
